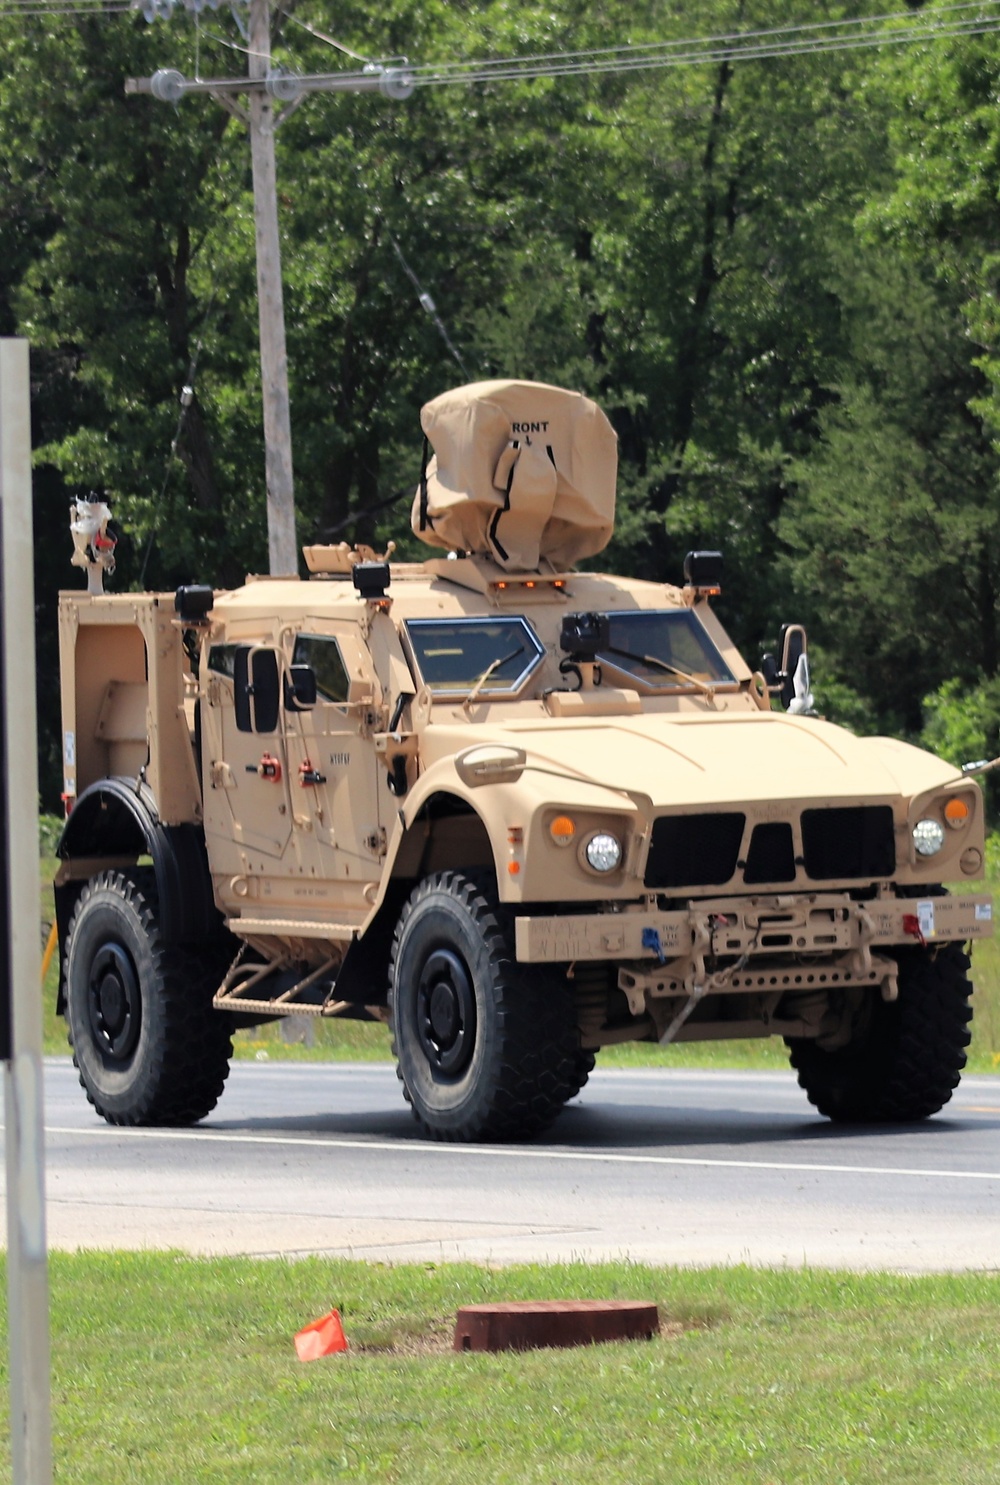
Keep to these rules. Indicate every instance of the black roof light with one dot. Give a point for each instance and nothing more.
(703, 573)
(371, 578)
(193, 602)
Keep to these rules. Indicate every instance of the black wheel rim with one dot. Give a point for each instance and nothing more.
(446, 1012)
(114, 1002)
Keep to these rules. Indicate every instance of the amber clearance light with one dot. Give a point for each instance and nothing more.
(957, 812)
(562, 830)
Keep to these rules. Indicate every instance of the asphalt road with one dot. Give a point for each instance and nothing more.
(659, 1166)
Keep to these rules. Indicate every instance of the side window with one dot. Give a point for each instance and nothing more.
(222, 659)
(322, 655)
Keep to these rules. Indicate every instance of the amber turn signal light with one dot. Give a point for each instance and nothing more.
(562, 830)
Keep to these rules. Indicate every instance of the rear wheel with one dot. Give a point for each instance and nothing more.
(148, 1046)
(906, 1056)
(486, 1049)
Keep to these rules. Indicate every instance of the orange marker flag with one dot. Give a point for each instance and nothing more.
(321, 1338)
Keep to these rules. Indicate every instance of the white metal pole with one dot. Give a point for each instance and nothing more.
(282, 546)
(27, 1268)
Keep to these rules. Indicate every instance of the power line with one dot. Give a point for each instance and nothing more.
(791, 40)
(966, 18)
(61, 7)
(322, 36)
(427, 305)
(37, 8)
(739, 38)
(815, 37)
(398, 79)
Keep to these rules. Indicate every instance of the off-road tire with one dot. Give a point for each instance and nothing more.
(486, 1049)
(147, 1045)
(908, 1054)
(583, 1066)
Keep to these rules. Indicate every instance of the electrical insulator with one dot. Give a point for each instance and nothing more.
(168, 84)
(396, 83)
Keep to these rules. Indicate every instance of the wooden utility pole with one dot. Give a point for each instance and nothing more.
(281, 542)
(20, 1003)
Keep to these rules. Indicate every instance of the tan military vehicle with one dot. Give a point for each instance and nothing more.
(517, 811)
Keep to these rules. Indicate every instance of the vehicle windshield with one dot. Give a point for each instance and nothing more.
(493, 657)
(663, 647)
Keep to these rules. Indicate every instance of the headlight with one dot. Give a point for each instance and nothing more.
(603, 852)
(928, 837)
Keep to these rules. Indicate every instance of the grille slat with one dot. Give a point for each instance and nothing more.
(853, 843)
(694, 850)
(771, 857)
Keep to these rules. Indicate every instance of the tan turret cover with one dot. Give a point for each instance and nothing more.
(521, 471)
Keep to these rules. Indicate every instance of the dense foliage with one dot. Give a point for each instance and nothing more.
(779, 277)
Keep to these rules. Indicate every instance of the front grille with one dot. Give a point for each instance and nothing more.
(694, 850)
(851, 844)
(855, 844)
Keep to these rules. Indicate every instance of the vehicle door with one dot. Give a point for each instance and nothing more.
(246, 799)
(332, 768)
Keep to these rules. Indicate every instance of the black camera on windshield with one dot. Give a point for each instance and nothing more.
(584, 635)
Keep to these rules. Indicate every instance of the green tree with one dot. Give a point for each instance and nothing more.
(679, 244)
(895, 523)
(728, 332)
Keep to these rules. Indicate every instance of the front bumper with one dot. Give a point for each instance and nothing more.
(818, 926)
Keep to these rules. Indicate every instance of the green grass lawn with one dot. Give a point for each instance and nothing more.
(168, 1369)
(358, 1041)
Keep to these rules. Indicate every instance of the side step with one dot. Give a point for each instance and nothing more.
(296, 994)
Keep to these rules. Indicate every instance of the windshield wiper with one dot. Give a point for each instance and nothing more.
(654, 660)
(480, 681)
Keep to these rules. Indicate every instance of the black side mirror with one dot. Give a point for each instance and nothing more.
(769, 670)
(300, 688)
(256, 688)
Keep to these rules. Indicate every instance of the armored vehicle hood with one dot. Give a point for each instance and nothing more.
(717, 759)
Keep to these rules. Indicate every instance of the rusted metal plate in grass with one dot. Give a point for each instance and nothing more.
(526, 1324)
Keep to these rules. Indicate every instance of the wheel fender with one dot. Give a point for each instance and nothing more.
(112, 818)
(363, 975)
(440, 781)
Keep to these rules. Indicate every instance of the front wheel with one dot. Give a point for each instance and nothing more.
(486, 1049)
(147, 1044)
(906, 1056)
